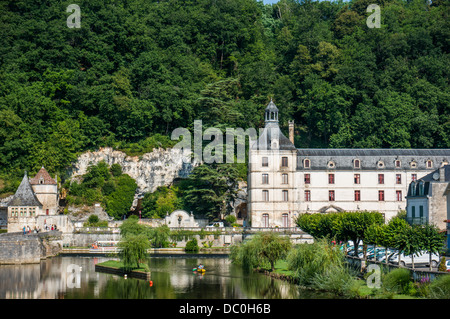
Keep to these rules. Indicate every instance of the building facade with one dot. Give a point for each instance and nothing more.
(284, 181)
(34, 198)
(428, 199)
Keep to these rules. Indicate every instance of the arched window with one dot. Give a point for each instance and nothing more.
(421, 188)
(306, 163)
(357, 163)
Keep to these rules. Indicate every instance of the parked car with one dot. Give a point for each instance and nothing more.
(215, 224)
(420, 258)
(447, 265)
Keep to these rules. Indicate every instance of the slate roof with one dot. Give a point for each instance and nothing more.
(24, 195)
(370, 158)
(44, 176)
(271, 131)
(430, 178)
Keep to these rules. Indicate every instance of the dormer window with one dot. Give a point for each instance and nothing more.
(413, 164)
(306, 163)
(421, 188)
(398, 164)
(380, 164)
(357, 163)
(429, 164)
(41, 180)
(331, 164)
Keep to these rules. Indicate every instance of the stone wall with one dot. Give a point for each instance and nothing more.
(17, 248)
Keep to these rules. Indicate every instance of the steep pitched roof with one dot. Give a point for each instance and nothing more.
(43, 176)
(24, 195)
(272, 131)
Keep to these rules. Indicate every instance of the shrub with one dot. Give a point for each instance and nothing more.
(230, 219)
(335, 278)
(192, 246)
(93, 219)
(397, 281)
(442, 266)
(440, 288)
(308, 261)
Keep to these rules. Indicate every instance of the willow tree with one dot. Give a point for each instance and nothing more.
(133, 249)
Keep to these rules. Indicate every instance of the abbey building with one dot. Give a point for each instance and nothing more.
(284, 181)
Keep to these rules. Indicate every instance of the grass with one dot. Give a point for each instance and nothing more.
(360, 288)
(119, 265)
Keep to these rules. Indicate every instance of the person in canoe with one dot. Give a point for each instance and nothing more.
(200, 268)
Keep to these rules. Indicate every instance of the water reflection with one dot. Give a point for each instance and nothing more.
(172, 278)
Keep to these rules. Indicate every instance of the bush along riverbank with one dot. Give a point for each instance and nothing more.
(322, 266)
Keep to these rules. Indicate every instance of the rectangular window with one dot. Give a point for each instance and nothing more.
(398, 178)
(330, 178)
(399, 195)
(357, 179)
(265, 162)
(420, 211)
(381, 196)
(284, 179)
(265, 220)
(307, 196)
(307, 179)
(357, 196)
(331, 196)
(413, 211)
(265, 195)
(265, 178)
(285, 196)
(413, 177)
(380, 178)
(284, 162)
(356, 164)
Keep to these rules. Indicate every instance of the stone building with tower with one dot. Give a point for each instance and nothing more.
(34, 198)
(285, 181)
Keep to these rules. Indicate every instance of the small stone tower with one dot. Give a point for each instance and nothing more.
(46, 190)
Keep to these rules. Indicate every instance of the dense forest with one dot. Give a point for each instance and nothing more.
(137, 69)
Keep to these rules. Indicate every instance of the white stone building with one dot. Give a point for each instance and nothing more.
(34, 198)
(284, 181)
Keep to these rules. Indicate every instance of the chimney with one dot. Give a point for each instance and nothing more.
(442, 174)
(291, 131)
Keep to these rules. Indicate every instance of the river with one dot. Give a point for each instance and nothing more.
(74, 277)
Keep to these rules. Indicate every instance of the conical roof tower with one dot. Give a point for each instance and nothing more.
(25, 195)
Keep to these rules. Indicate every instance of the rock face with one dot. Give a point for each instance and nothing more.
(158, 168)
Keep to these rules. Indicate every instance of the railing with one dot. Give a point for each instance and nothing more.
(417, 220)
(97, 229)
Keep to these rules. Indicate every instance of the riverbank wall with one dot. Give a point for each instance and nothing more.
(120, 272)
(17, 248)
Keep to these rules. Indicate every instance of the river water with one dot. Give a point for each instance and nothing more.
(74, 277)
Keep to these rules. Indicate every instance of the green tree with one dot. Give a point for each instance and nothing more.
(261, 249)
(133, 249)
(119, 202)
(210, 188)
(431, 240)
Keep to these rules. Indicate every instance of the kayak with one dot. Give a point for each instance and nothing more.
(199, 270)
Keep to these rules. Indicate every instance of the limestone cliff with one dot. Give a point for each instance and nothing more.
(149, 170)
